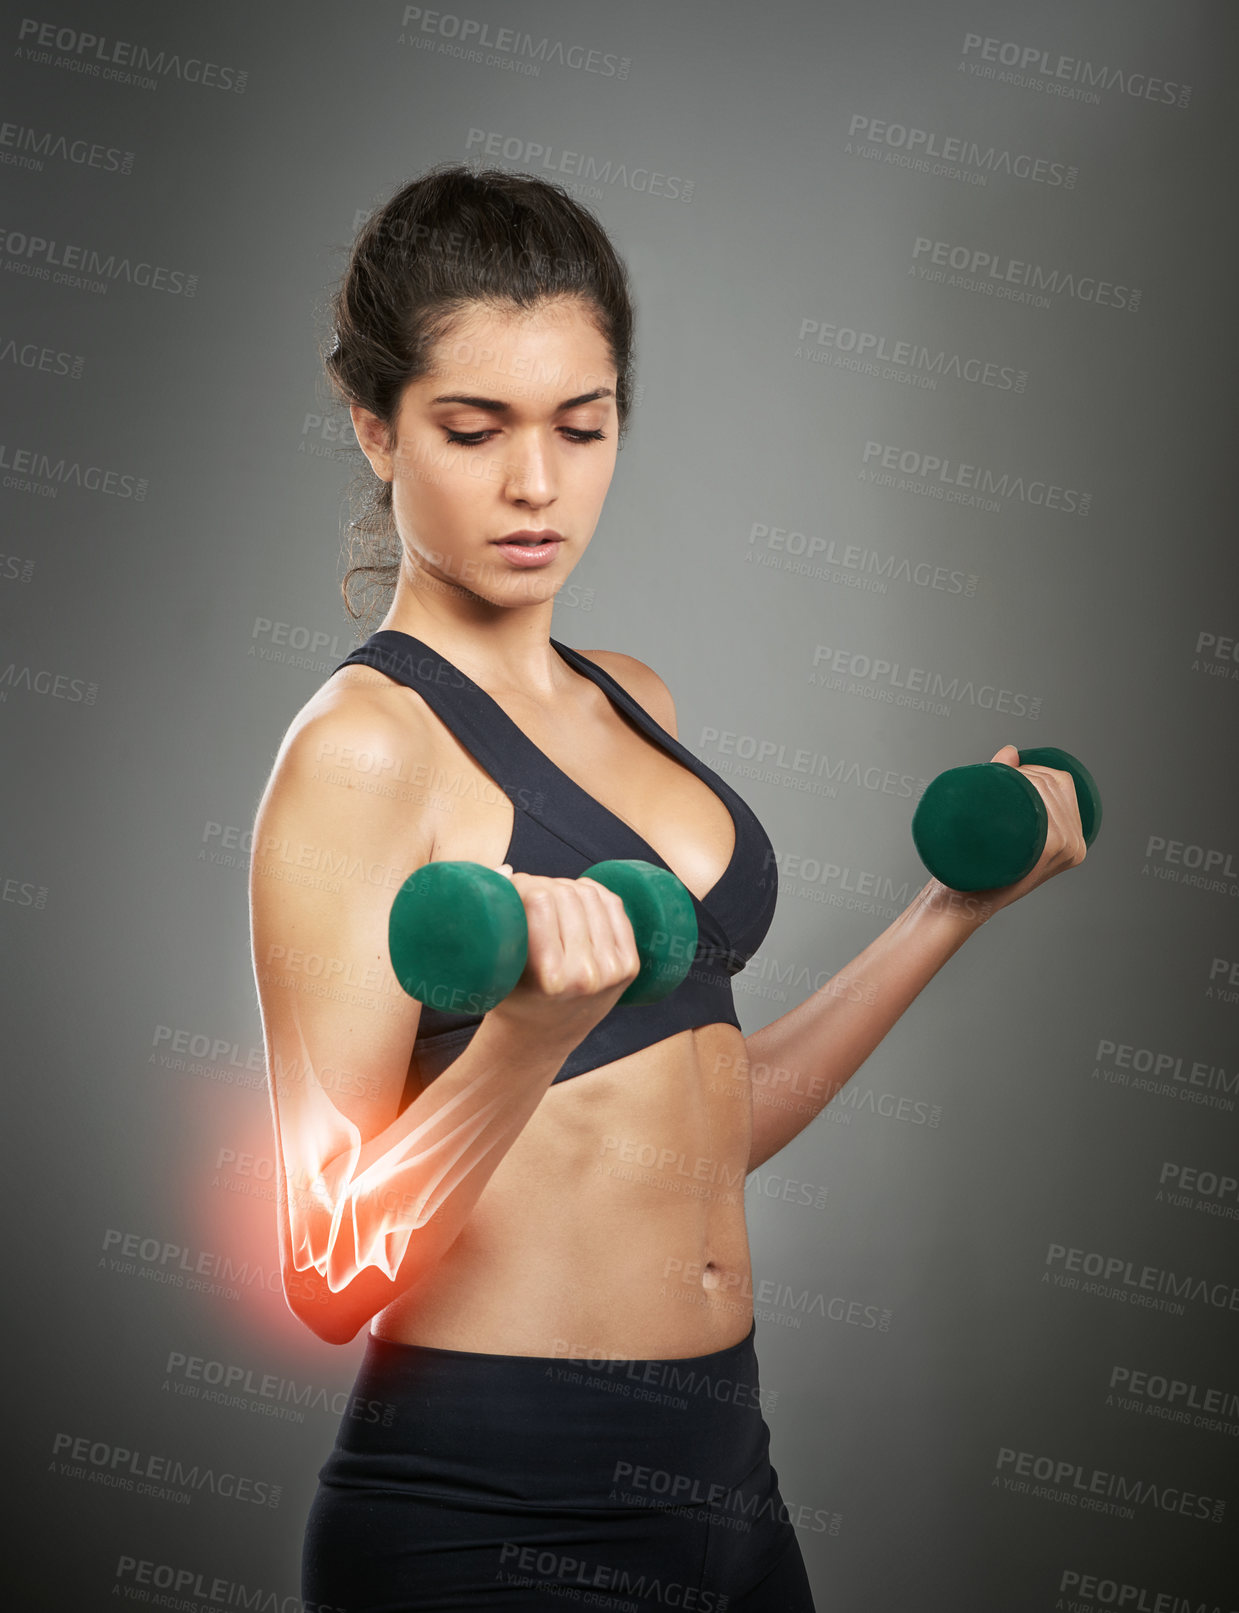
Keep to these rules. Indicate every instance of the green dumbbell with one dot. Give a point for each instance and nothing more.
(982, 826)
(459, 941)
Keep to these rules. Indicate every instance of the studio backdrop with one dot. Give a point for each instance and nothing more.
(932, 452)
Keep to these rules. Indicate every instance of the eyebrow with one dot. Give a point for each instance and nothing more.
(497, 405)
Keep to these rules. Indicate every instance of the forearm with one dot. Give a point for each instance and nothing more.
(801, 1060)
(364, 1222)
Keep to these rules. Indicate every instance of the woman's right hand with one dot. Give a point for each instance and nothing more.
(582, 956)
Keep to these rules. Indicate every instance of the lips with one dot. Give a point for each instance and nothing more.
(527, 550)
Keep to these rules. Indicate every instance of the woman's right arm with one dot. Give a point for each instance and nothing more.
(369, 1197)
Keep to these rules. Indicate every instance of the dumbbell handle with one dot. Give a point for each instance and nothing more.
(983, 826)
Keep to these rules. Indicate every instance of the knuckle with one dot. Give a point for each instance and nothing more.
(588, 980)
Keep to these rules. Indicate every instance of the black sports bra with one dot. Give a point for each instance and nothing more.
(560, 830)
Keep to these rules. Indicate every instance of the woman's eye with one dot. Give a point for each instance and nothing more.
(472, 439)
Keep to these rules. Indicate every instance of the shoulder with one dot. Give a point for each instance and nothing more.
(640, 681)
(358, 708)
(362, 731)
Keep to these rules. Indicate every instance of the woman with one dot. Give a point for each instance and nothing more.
(539, 1212)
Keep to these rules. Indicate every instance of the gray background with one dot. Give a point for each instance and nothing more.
(155, 649)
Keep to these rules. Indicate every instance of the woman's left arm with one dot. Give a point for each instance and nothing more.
(800, 1061)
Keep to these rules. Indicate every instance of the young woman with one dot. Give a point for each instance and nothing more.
(540, 1211)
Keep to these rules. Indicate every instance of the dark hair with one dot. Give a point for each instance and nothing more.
(452, 237)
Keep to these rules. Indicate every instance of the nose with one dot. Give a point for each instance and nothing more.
(529, 474)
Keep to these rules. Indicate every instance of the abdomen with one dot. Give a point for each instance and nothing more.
(614, 1225)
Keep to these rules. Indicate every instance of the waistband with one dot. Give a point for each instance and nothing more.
(520, 1430)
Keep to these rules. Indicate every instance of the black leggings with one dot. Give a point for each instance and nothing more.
(464, 1480)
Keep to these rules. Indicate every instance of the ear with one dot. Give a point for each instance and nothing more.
(372, 439)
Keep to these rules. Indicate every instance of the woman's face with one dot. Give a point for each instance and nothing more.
(513, 430)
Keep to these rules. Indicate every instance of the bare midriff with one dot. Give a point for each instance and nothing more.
(615, 1224)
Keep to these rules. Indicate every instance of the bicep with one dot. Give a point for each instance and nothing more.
(328, 860)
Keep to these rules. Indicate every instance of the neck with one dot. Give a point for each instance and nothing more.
(501, 647)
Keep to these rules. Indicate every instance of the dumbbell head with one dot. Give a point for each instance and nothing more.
(1088, 796)
(663, 919)
(457, 936)
(982, 826)
(979, 826)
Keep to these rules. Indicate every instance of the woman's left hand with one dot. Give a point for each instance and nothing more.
(1064, 838)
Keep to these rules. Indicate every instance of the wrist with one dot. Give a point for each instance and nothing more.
(965, 911)
(520, 1041)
